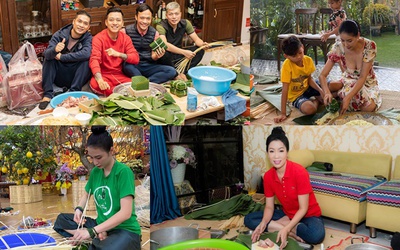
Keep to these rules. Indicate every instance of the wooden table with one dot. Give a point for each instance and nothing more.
(180, 101)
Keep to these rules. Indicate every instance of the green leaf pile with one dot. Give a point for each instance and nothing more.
(118, 109)
(334, 106)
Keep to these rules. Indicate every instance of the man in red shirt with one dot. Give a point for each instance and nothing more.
(300, 216)
(110, 49)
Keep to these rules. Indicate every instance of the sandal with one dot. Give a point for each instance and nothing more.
(43, 104)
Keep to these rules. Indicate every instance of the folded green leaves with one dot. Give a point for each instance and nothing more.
(118, 109)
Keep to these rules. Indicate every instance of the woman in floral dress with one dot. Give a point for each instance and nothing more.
(358, 87)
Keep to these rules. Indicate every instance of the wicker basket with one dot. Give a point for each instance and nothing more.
(78, 189)
(20, 194)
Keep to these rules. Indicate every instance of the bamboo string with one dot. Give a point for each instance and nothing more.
(184, 63)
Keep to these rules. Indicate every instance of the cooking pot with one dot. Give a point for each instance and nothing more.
(363, 246)
(244, 65)
(171, 235)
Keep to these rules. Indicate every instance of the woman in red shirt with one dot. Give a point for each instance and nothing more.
(300, 216)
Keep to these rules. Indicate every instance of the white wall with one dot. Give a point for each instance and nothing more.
(245, 36)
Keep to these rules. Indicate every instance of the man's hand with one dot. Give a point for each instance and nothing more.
(58, 56)
(112, 52)
(103, 85)
(158, 53)
(280, 118)
(188, 54)
(60, 46)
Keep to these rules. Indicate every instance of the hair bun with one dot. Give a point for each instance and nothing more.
(278, 130)
(98, 129)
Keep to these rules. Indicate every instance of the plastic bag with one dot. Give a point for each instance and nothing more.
(3, 72)
(23, 82)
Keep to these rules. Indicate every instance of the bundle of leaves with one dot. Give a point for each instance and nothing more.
(118, 109)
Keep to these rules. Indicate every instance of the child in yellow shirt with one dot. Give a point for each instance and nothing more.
(298, 85)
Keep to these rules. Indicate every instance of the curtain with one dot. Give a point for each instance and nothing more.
(163, 202)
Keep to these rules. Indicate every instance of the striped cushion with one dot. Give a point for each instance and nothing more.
(387, 194)
(354, 187)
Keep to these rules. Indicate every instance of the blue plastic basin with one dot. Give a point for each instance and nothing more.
(60, 98)
(211, 80)
(26, 239)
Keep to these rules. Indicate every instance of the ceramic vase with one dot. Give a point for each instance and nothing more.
(178, 173)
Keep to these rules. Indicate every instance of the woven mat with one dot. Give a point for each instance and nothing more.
(390, 100)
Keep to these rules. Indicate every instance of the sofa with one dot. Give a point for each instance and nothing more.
(383, 204)
(346, 206)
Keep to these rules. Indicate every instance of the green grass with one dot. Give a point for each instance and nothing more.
(388, 45)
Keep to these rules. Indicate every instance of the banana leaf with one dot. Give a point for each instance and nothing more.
(310, 119)
(130, 105)
(108, 121)
(241, 204)
(179, 119)
(168, 98)
(273, 95)
(165, 116)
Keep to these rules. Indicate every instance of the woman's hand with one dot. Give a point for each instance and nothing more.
(80, 235)
(328, 98)
(345, 105)
(102, 235)
(78, 216)
(258, 231)
(282, 237)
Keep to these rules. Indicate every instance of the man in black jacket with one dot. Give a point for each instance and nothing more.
(66, 61)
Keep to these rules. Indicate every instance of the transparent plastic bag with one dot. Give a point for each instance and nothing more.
(3, 72)
(23, 82)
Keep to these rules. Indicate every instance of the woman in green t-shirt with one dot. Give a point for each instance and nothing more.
(112, 185)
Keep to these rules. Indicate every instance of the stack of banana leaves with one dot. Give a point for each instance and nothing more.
(118, 109)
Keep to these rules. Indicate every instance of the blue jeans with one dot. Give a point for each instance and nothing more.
(6, 57)
(156, 73)
(71, 75)
(116, 238)
(310, 229)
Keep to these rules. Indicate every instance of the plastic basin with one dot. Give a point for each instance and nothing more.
(206, 243)
(26, 239)
(60, 98)
(211, 80)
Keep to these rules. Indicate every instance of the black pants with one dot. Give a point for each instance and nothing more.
(71, 76)
(118, 239)
(171, 58)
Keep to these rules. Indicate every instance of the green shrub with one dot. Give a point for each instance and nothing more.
(376, 14)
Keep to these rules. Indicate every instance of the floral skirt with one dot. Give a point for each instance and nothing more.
(363, 97)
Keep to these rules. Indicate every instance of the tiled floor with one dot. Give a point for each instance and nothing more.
(48, 209)
(388, 78)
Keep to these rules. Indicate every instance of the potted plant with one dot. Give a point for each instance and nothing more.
(25, 153)
(376, 15)
(179, 157)
(81, 172)
(63, 178)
